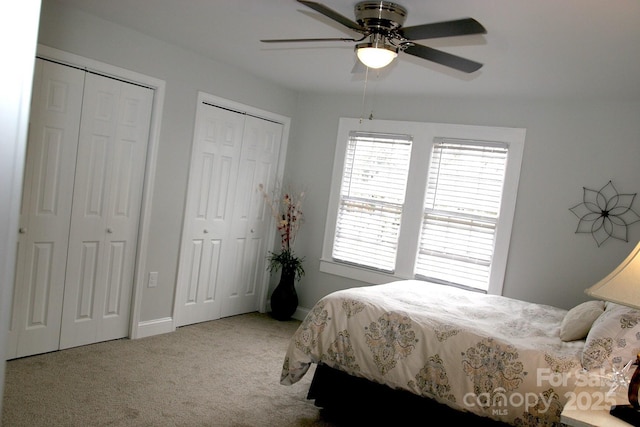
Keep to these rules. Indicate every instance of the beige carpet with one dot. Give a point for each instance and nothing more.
(220, 373)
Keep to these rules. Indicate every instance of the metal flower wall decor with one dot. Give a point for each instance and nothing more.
(605, 213)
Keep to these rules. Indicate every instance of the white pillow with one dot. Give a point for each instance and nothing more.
(577, 322)
(614, 338)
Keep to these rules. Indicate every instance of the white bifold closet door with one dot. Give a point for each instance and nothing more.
(107, 196)
(222, 268)
(83, 184)
(45, 217)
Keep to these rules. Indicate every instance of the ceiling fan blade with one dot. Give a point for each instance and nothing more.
(330, 13)
(443, 58)
(308, 40)
(458, 27)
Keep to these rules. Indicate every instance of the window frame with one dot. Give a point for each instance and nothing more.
(424, 135)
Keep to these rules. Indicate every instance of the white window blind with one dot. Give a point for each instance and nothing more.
(461, 210)
(371, 199)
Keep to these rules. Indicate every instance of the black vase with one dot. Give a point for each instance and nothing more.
(284, 299)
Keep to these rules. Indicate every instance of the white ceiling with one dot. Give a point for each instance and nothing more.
(533, 48)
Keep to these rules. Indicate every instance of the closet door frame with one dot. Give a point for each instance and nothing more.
(158, 86)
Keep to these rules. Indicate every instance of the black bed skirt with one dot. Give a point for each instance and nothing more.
(348, 399)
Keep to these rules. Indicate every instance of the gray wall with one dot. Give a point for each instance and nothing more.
(569, 144)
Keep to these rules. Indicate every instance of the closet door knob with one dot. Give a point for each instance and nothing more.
(205, 231)
(22, 230)
(109, 230)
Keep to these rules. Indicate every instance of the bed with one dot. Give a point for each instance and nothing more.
(498, 358)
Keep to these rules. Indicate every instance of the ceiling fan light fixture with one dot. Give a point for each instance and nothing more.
(376, 55)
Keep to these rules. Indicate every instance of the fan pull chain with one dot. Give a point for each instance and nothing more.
(373, 96)
(364, 93)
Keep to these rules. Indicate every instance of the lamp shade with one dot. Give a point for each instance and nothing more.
(622, 285)
(375, 57)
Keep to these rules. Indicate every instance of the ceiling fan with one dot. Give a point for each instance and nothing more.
(381, 23)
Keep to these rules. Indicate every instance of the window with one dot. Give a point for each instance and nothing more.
(371, 199)
(422, 200)
(464, 190)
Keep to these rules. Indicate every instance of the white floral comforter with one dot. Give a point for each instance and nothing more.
(490, 355)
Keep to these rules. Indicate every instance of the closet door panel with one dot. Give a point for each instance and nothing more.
(205, 244)
(251, 219)
(130, 153)
(86, 244)
(126, 187)
(46, 208)
(105, 214)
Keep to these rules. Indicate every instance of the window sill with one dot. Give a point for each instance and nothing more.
(358, 273)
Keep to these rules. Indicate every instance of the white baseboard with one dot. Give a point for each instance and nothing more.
(300, 313)
(149, 328)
